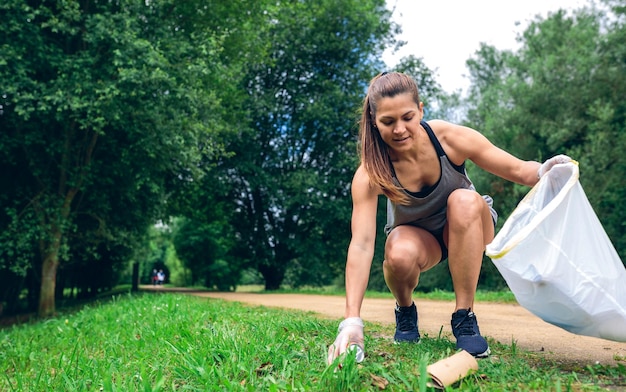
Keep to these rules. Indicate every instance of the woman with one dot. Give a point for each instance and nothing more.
(433, 210)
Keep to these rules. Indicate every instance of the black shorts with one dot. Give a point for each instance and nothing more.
(438, 232)
(444, 249)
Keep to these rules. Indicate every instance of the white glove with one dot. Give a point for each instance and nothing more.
(548, 164)
(350, 337)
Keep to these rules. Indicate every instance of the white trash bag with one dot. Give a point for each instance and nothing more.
(558, 261)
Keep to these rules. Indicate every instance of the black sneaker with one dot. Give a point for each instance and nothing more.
(467, 334)
(406, 324)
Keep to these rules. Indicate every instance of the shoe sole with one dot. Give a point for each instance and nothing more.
(418, 340)
(483, 355)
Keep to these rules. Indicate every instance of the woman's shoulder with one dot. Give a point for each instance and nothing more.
(361, 182)
(445, 128)
(361, 177)
(441, 127)
(445, 132)
(459, 142)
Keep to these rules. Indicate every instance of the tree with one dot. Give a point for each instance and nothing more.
(561, 93)
(295, 151)
(111, 97)
(203, 247)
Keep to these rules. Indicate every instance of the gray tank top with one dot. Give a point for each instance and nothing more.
(427, 208)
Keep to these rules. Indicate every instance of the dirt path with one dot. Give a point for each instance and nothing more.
(502, 322)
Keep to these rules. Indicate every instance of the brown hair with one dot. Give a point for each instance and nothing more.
(373, 150)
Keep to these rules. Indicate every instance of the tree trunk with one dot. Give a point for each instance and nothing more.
(135, 277)
(50, 247)
(273, 276)
(50, 255)
(48, 283)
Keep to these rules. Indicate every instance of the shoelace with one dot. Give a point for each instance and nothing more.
(405, 322)
(466, 325)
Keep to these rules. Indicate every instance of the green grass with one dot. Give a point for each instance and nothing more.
(504, 296)
(174, 342)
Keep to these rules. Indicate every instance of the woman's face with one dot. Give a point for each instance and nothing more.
(398, 120)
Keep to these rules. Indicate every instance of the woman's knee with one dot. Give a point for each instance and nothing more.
(399, 256)
(410, 249)
(465, 206)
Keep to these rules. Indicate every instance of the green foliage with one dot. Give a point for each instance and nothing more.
(180, 275)
(105, 109)
(240, 117)
(203, 247)
(562, 92)
(294, 154)
(171, 342)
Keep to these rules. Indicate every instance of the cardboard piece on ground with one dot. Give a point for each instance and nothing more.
(452, 369)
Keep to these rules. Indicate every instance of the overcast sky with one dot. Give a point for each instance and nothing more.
(445, 33)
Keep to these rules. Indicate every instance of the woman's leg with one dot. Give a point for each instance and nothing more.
(468, 231)
(409, 251)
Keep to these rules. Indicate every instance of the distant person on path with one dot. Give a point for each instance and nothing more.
(154, 277)
(161, 277)
(433, 209)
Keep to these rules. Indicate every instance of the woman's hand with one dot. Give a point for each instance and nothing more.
(350, 334)
(548, 164)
